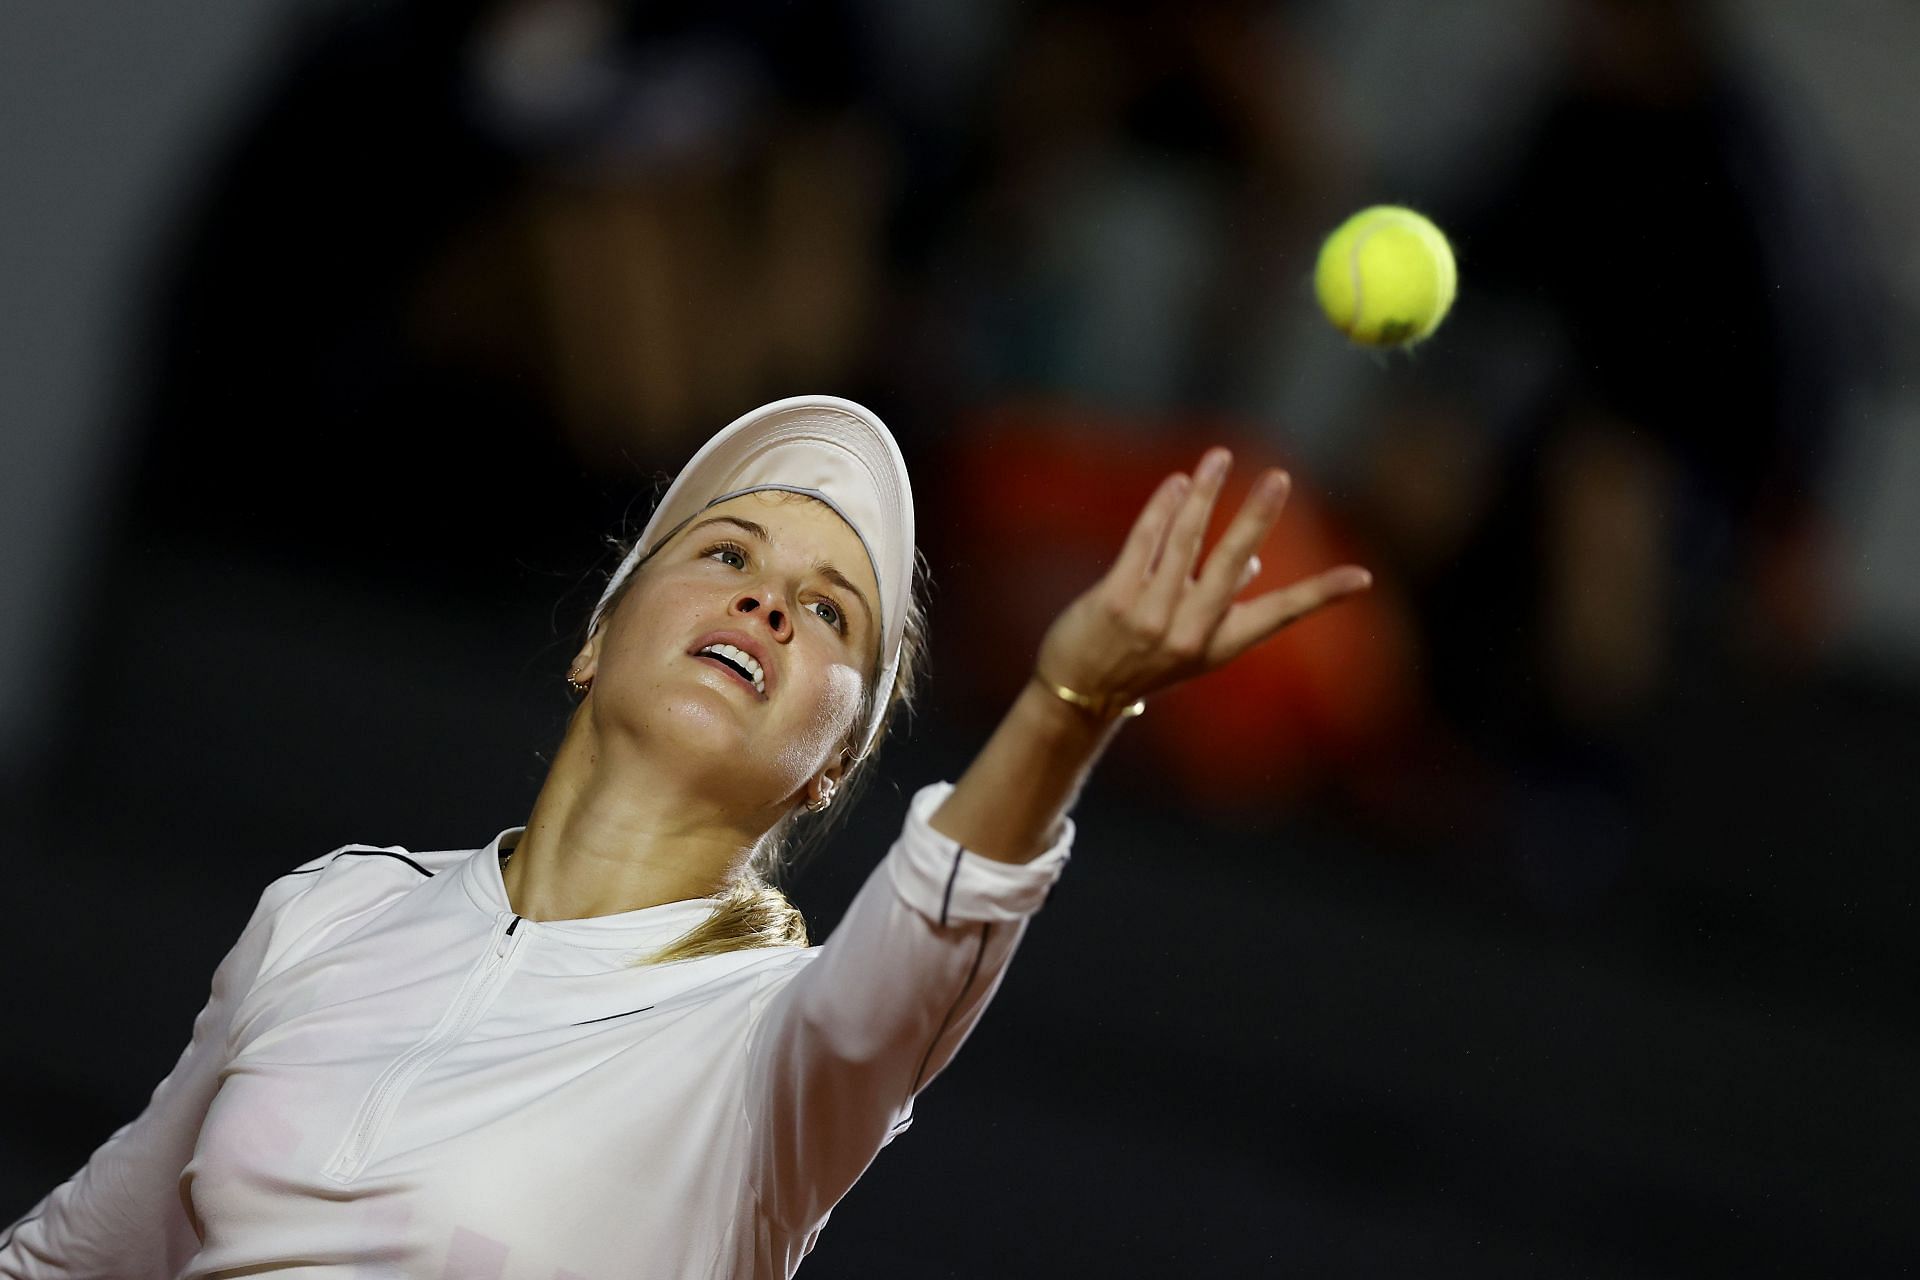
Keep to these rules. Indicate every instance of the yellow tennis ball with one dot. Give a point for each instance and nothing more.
(1385, 277)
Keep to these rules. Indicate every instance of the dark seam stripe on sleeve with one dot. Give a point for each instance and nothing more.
(946, 899)
(978, 955)
(365, 853)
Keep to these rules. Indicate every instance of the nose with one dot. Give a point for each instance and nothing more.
(765, 604)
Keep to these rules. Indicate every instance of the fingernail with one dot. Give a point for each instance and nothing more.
(1215, 466)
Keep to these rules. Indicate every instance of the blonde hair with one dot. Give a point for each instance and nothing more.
(754, 911)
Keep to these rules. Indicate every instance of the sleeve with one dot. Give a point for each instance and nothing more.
(839, 1050)
(121, 1214)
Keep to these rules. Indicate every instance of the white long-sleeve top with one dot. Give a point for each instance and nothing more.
(397, 1076)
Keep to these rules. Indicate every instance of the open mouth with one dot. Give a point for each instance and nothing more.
(727, 664)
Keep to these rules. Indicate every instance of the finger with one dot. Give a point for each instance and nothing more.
(1149, 531)
(1248, 574)
(1196, 616)
(1168, 578)
(1251, 621)
(1226, 571)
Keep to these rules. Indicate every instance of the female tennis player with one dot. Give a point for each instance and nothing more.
(600, 1044)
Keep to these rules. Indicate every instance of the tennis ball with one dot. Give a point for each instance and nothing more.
(1385, 277)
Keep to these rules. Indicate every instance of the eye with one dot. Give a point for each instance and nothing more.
(731, 548)
(838, 620)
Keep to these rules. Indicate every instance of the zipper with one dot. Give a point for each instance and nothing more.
(377, 1108)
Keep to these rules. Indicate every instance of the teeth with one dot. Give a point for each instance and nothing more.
(736, 654)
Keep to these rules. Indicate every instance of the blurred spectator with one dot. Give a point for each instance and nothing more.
(1595, 505)
(709, 236)
(1142, 176)
(508, 255)
(1144, 172)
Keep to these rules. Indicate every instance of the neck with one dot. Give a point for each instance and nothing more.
(598, 844)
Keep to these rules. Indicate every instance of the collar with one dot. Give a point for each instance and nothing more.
(480, 878)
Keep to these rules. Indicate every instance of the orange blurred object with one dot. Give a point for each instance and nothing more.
(1032, 505)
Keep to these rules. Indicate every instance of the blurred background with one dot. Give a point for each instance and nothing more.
(1547, 910)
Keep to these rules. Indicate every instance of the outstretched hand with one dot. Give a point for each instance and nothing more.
(1150, 623)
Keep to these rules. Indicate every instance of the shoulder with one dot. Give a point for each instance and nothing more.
(324, 893)
(357, 871)
(391, 862)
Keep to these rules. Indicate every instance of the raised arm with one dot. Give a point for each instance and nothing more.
(840, 1049)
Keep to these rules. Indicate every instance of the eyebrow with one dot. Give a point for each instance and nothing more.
(820, 567)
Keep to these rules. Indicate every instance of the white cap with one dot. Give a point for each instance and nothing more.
(828, 448)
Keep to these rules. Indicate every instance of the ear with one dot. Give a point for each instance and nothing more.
(829, 778)
(587, 661)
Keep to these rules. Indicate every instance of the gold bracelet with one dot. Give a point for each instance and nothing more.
(1099, 706)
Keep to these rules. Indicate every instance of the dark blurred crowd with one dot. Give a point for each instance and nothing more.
(473, 278)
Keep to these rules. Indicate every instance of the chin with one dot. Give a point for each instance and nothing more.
(692, 716)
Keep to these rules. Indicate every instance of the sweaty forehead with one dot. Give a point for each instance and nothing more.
(808, 522)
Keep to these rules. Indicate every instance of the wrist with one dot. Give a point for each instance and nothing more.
(1071, 704)
(1069, 731)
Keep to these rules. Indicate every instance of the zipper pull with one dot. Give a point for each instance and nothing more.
(502, 947)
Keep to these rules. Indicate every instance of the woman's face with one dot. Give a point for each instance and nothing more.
(759, 567)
